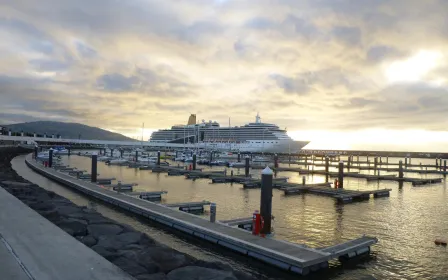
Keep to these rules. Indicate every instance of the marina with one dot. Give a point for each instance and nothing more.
(292, 257)
(227, 211)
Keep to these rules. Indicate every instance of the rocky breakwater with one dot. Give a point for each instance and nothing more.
(134, 252)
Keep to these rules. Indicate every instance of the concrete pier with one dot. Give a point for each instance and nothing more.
(288, 256)
(31, 247)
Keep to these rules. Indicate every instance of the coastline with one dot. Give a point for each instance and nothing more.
(134, 252)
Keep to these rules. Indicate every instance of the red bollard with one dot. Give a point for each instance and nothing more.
(191, 167)
(46, 163)
(257, 223)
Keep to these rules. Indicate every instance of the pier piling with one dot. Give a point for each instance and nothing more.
(276, 161)
(211, 156)
(239, 157)
(246, 167)
(437, 163)
(303, 180)
(194, 161)
(69, 151)
(440, 163)
(35, 152)
(327, 164)
(212, 212)
(158, 157)
(94, 168)
(400, 169)
(111, 152)
(341, 174)
(266, 199)
(375, 165)
(406, 162)
(50, 158)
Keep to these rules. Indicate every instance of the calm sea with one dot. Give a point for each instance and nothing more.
(406, 223)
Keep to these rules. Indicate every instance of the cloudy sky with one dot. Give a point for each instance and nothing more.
(342, 73)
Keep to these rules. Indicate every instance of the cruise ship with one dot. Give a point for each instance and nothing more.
(252, 137)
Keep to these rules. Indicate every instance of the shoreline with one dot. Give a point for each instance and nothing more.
(132, 251)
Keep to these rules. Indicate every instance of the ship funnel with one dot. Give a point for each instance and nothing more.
(192, 119)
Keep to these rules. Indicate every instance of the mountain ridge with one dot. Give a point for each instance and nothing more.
(67, 130)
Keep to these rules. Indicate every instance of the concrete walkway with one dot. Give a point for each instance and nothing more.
(31, 247)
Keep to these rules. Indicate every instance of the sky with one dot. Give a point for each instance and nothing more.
(344, 74)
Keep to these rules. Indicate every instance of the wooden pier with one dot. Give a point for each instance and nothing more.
(288, 256)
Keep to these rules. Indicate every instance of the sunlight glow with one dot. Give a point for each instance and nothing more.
(375, 139)
(414, 68)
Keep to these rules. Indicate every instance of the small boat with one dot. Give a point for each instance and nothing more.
(261, 159)
(117, 161)
(237, 164)
(219, 163)
(203, 161)
(189, 159)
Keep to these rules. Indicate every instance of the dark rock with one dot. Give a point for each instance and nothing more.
(155, 276)
(165, 258)
(146, 240)
(98, 230)
(212, 265)
(129, 266)
(119, 241)
(72, 227)
(51, 215)
(41, 206)
(66, 210)
(91, 218)
(104, 252)
(200, 273)
(134, 247)
(89, 241)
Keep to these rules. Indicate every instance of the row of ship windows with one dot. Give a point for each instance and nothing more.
(265, 142)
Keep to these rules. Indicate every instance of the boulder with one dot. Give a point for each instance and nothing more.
(155, 276)
(41, 206)
(129, 266)
(66, 210)
(51, 215)
(88, 240)
(73, 227)
(200, 273)
(165, 258)
(119, 241)
(98, 230)
(105, 253)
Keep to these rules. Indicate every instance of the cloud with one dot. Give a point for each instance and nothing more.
(324, 60)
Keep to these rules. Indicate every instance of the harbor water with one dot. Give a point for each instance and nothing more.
(406, 223)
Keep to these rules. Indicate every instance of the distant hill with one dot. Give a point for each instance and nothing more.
(67, 130)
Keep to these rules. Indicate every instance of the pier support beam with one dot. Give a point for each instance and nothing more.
(194, 161)
(440, 162)
(266, 199)
(303, 180)
(239, 157)
(246, 167)
(437, 163)
(136, 155)
(375, 164)
(341, 174)
(406, 162)
(327, 166)
(50, 158)
(400, 169)
(94, 168)
(35, 152)
(69, 151)
(111, 152)
(158, 157)
(212, 212)
(276, 161)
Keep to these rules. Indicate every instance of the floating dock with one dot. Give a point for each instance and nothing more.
(285, 255)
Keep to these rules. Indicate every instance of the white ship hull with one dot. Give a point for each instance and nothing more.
(257, 146)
